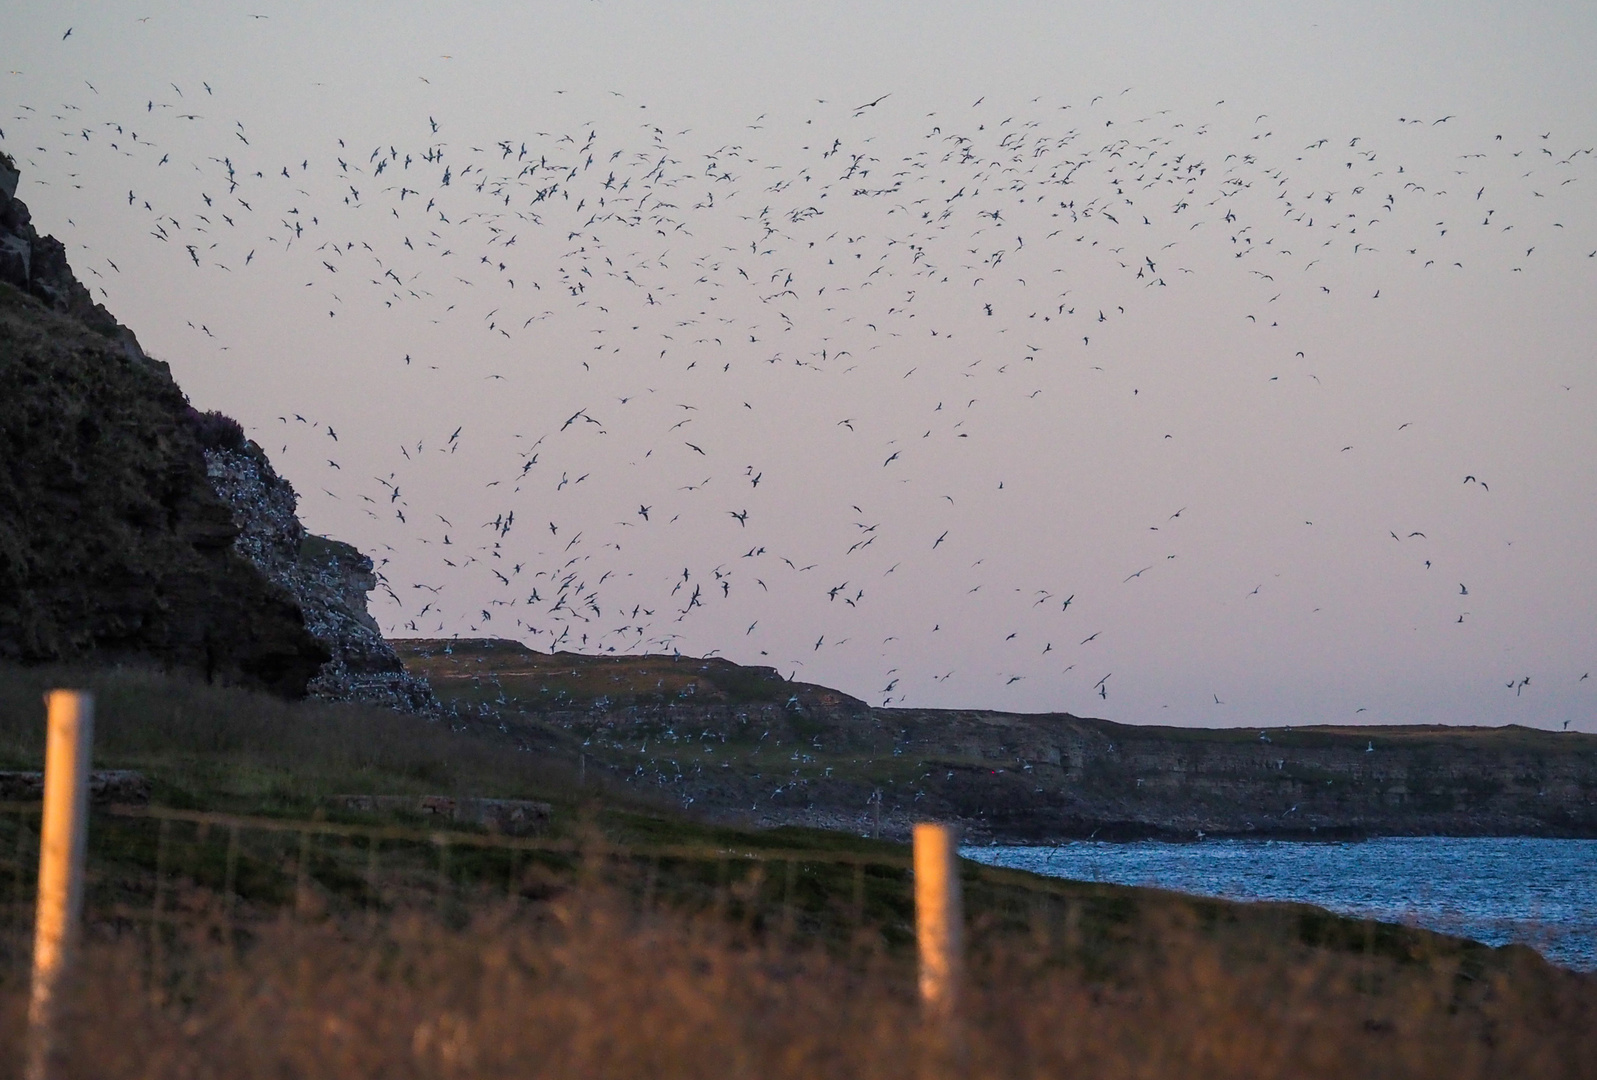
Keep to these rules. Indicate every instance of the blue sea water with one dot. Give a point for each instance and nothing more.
(1496, 890)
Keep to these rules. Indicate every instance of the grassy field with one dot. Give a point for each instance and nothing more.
(282, 958)
(212, 749)
(228, 749)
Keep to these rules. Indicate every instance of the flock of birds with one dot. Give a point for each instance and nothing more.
(796, 365)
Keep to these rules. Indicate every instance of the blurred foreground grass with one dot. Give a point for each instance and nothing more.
(290, 956)
(587, 985)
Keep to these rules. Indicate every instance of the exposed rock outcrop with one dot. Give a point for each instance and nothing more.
(106, 787)
(329, 579)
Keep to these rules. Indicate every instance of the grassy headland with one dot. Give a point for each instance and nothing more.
(752, 746)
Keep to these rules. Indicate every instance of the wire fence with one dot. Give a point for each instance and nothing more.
(174, 884)
(160, 868)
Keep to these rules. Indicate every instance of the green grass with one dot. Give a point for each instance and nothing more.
(488, 669)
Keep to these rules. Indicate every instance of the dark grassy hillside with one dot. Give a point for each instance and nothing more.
(112, 543)
(232, 749)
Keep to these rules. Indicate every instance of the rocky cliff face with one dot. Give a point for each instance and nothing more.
(37, 266)
(330, 580)
(133, 528)
(1047, 777)
(1027, 776)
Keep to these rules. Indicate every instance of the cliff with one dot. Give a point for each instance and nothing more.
(743, 742)
(135, 529)
(327, 578)
(112, 543)
(1044, 776)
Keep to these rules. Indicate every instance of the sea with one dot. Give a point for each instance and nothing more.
(1496, 890)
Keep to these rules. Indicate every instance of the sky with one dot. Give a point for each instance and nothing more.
(1222, 364)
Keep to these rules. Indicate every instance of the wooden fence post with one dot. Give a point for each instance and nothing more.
(939, 918)
(61, 841)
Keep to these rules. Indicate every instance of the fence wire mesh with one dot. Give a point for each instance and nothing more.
(156, 870)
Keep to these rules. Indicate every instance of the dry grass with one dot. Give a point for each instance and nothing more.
(584, 986)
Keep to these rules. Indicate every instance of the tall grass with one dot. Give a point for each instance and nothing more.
(235, 749)
(587, 986)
